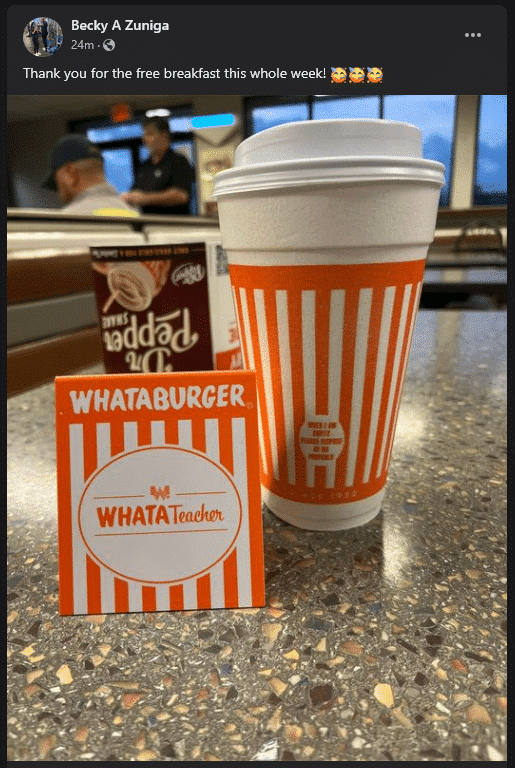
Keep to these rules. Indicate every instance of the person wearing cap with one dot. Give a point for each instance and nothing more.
(163, 183)
(78, 177)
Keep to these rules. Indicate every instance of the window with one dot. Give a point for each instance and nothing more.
(118, 168)
(268, 116)
(490, 185)
(102, 134)
(357, 107)
(436, 116)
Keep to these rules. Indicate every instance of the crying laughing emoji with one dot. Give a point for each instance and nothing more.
(356, 75)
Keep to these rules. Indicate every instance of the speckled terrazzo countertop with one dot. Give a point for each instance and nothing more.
(383, 643)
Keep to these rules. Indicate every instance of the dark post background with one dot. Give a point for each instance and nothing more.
(421, 49)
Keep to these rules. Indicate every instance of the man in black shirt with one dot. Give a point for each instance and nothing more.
(163, 182)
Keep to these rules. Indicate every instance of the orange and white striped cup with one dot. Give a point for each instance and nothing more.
(326, 225)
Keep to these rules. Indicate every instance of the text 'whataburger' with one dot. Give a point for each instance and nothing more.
(158, 398)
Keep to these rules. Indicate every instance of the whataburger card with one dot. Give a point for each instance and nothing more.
(159, 504)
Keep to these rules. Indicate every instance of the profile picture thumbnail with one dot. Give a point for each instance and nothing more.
(42, 36)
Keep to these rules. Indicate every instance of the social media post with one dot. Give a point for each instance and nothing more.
(110, 121)
(101, 102)
(169, 60)
(257, 360)
(86, 49)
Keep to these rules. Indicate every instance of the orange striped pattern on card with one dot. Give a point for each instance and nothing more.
(330, 346)
(158, 492)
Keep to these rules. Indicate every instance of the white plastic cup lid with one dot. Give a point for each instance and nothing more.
(328, 151)
(330, 138)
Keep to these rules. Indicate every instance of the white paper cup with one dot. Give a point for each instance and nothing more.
(327, 254)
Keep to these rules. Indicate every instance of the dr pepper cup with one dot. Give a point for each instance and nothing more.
(326, 225)
(166, 306)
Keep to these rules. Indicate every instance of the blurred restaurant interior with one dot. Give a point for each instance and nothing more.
(468, 133)
(385, 642)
